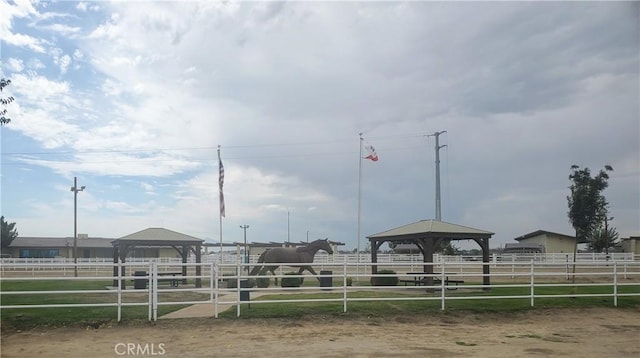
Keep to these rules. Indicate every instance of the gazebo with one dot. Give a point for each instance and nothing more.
(158, 237)
(426, 235)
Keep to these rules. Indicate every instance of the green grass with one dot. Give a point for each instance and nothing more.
(24, 318)
(96, 316)
(414, 307)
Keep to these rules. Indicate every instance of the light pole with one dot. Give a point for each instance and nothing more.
(75, 191)
(307, 236)
(246, 261)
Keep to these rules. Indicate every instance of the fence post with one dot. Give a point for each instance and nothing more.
(532, 283)
(615, 283)
(216, 273)
(238, 288)
(442, 279)
(153, 286)
(119, 264)
(344, 285)
(150, 292)
(211, 282)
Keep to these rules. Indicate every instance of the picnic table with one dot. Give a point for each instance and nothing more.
(420, 279)
(175, 281)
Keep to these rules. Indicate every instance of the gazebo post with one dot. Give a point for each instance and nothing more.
(375, 245)
(486, 280)
(198, 267)
(184, 254)
(427, 258)
(123, 269)
(116, 254)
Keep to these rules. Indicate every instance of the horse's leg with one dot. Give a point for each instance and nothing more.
(257, 270)
(310, 269)
(273, 272)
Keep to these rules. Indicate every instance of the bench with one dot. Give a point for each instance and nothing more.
(173, 280)
(419, 279)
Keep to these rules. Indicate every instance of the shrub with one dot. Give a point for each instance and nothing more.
(388, 278)
(233, 282)
(291, 281)
(262, 282)
(349, 281)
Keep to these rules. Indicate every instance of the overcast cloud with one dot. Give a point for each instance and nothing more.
(133, 98)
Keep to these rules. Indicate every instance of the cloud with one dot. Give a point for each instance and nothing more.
(18, 10)
(14, 64)
(146, 91)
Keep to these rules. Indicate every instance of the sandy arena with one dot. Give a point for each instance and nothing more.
(598, 332)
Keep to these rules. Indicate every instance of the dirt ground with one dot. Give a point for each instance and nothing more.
(594, 332)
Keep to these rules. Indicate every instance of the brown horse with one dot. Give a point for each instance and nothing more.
(290, 256)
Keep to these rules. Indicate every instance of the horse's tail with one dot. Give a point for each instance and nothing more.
(257, 268)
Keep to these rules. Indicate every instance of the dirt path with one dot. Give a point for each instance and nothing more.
(575, 333)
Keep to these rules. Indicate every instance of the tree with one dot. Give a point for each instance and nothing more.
(9, 233)
(587, 205)
(5, 101)
(447, 248)
(602, 239)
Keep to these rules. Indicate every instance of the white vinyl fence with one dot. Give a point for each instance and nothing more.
(455, 281)
(450, 281)
(149, 275)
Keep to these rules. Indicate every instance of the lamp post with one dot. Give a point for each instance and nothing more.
(75, 191)
(246, 256)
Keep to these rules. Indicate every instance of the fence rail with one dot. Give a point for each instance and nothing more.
(621, 276)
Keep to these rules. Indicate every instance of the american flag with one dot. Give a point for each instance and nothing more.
(221, 184)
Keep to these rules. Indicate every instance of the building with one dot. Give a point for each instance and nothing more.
(523, 248)
(88, 247)
(52, 247)
(551, 242)
(631, 244)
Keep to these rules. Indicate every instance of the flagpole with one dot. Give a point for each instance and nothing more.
(359, 195)
(220, 199)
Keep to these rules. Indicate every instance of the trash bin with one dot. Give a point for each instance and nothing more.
(326, 281)
(244, 295)
(140, 283)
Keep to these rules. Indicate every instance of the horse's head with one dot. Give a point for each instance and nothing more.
(326, 246)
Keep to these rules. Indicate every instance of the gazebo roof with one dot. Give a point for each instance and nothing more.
(158, 237)
(431, 229)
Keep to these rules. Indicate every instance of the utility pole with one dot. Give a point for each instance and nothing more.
(438, 147)
(246, 254)
(75, 191)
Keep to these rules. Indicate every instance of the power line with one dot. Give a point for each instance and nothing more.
(169, 149)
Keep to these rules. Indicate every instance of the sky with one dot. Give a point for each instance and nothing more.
(134, 98)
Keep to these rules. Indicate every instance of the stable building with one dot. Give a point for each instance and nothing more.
(549, 242)
(60, 247)
(631, 244)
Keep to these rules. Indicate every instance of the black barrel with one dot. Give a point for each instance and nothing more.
(244, 295)
(326, 281)
(140, 283)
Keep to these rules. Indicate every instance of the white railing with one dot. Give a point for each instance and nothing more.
(146, 274)
(532, 275)
(617, 275)
(323, 257)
